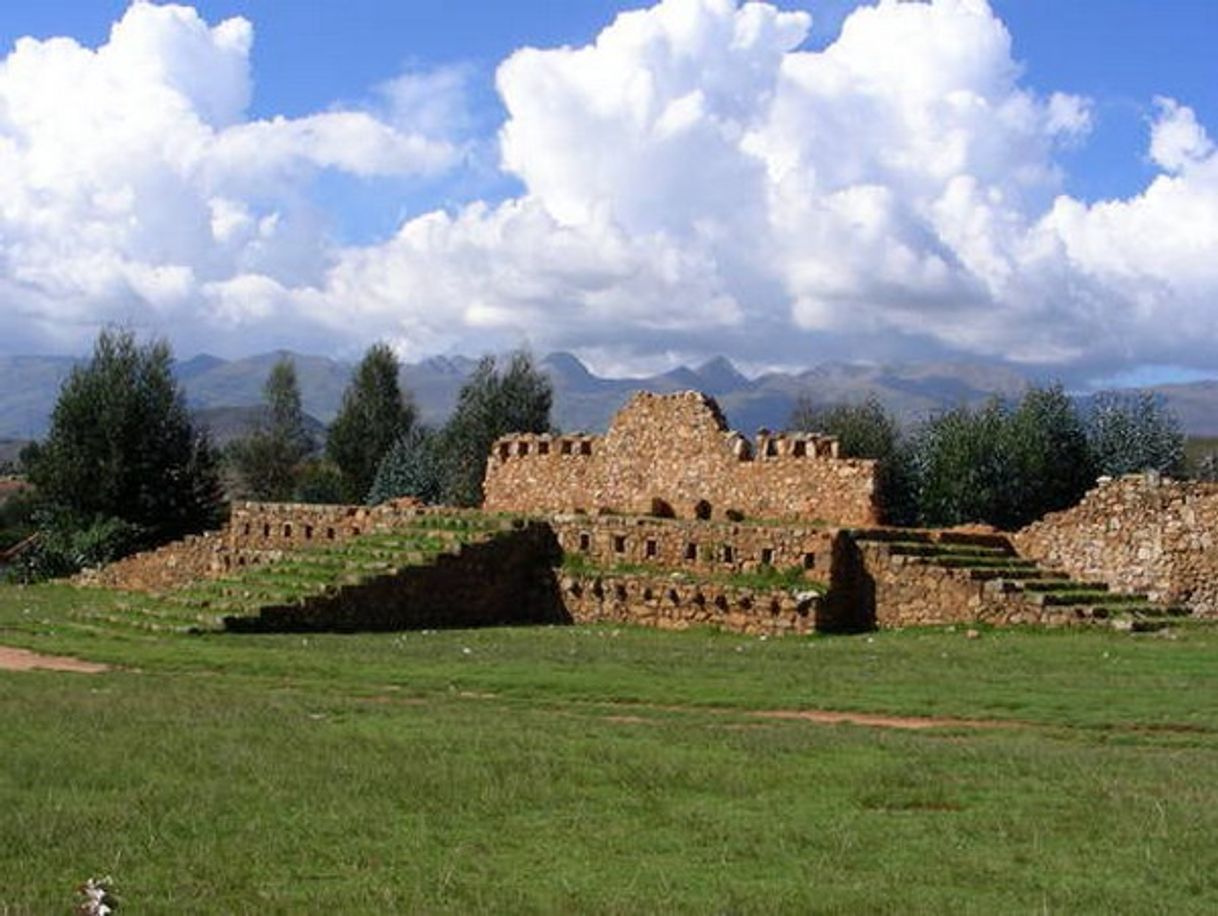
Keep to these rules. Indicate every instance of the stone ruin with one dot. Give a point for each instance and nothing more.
(674, 456)
(663, 521)
(1141, 532)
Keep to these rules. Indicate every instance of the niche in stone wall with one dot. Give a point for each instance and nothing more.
(661, 508)
(702, 510)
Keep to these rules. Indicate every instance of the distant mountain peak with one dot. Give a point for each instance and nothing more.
(566, 364)
(719, 376)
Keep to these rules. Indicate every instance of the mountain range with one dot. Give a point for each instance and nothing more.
(226, 393)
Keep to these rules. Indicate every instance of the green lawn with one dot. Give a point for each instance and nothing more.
(602, 770)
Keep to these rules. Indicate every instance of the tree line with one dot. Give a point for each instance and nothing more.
(1004, 463)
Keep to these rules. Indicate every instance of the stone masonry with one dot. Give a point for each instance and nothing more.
(256, 533)
(673, 456)
(1140, 533)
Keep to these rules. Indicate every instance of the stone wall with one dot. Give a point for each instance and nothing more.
(697, 547)
(255, 533)
(891, 592)
(659, 601)
(1138, 533)
(201, 556)
(673, 455)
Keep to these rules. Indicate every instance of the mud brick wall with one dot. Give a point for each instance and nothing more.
(1138, 533)
(659, 601)
(673, 455)
(700, 547)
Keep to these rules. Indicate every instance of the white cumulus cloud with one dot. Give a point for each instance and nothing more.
(694, 181)
(132, 180)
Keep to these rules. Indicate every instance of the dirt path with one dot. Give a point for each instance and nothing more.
(912, 723)
(23, 660)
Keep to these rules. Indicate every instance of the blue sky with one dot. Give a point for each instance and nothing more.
(309, 57)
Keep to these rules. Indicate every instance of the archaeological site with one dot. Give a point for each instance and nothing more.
(673, 520)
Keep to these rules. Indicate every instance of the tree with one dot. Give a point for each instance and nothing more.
(491, 404)
(374, 415)
(268, 461)
(122, 445)
(960, 465)
(1130, 433)
(413, 467)
(1049, 462)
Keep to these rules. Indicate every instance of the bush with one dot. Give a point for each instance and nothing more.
(413, 467)
(319, 481)
(17, 518)
(68, 543)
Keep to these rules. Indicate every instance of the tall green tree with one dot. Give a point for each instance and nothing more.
(269, 460)
(492, 403)
(1130, 433)
(961, 466)
(373, 416)
(1050, 463)
(122, 445)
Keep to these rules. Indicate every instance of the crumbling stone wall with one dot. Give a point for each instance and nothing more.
(1139, 533)
(198, 557)
(673, 455)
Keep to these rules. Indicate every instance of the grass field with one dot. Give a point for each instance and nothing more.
(603, 770)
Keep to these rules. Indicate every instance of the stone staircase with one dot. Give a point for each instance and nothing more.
(1002, 586)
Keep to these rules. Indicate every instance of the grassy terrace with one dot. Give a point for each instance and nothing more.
(603, 769)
